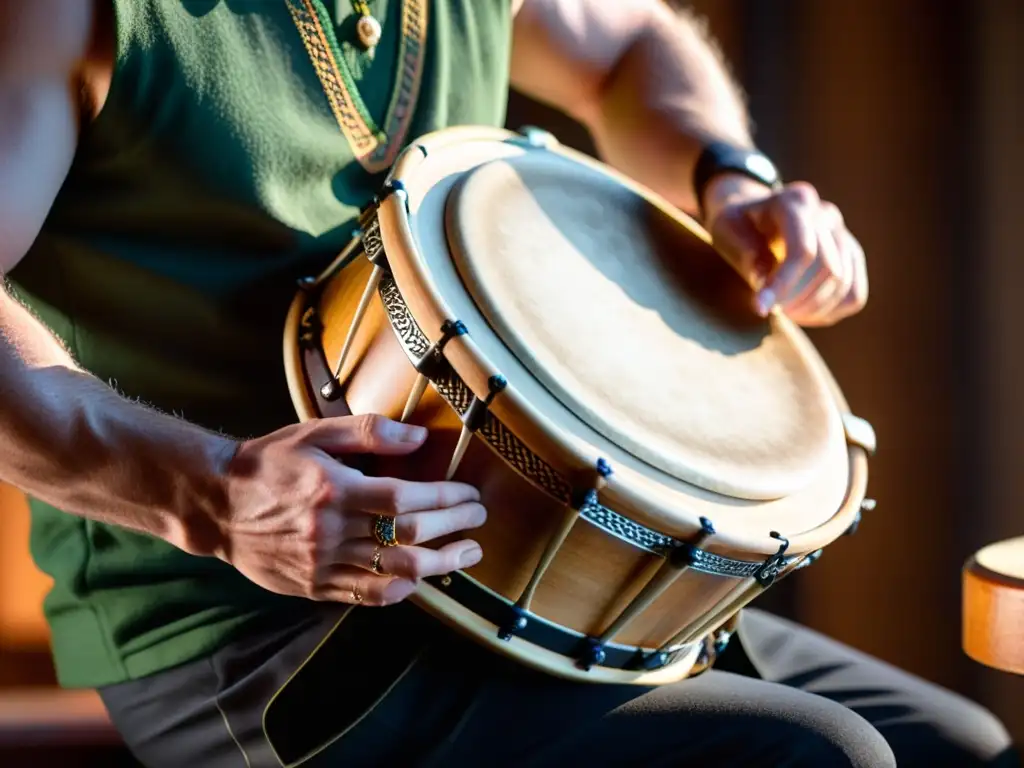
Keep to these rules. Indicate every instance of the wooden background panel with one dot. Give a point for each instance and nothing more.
(995, 253)
(876, 97)
(909, 117)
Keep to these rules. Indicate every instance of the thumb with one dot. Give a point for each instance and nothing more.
(369, 433)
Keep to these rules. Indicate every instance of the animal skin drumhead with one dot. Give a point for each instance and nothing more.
(1005, 558)
(638, 327)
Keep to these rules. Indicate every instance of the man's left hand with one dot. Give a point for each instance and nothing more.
(791, 245)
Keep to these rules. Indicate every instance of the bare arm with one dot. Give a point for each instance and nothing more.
(282, 509)
(645, 80)
(653, 91)
(66, 437)
(70, 440)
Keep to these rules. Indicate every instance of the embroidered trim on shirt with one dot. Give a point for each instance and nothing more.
(375, 149)
(411, 58)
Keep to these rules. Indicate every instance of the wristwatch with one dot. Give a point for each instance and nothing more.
(719, 157)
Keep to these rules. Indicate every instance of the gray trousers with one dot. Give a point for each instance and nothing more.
(390, 687)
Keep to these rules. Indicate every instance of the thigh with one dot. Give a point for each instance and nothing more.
(172, 717)
(283, 695)
(924, 724)
(388, 686)
(518, 718)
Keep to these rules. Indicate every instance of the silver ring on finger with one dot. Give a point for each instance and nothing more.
(357, 595)
(375, 562)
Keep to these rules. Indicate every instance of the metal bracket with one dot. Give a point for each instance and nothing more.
(429, 365)
(685, 555)
(653, 660)
(538, 137)
(865, 506)
(860, 433)
(397, 188)
(477, 411)
(768, 572)
(592, 655)
(515, 624)
(810, 559)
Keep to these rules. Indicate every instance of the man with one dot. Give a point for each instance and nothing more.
(168, 168)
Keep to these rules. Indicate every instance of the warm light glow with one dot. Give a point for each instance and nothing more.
(22, 585)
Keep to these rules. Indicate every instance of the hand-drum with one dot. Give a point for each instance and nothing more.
(652, 454)
(993, 606)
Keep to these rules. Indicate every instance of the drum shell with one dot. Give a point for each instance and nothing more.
(993, 608)
(527, 467)
(593, 576)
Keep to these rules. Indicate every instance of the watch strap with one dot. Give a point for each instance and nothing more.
(720, 157)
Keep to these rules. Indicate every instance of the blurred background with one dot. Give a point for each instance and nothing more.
(909, 116)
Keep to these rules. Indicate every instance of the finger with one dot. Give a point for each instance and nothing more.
(346, 584)
(410, 562)
(421, 527)
(832, 303)
(811, 283)
(857, 296)
(830, 216)
(363, 434)
(841, 283)
(391, 496)
(796, 227)
(827, 284)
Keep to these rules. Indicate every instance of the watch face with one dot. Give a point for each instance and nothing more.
(762, 167)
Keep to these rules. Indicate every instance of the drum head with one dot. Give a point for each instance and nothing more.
(638, 327)
(622, 335)
(1004, 559)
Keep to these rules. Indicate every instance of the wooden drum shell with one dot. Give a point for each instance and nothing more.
(594, 575)
(993, 610)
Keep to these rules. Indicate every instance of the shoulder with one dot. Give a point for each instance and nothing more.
(43, 38)
(42, 45)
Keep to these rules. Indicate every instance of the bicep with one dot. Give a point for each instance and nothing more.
(564, 50)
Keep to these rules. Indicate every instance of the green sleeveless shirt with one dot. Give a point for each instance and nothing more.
(215, 176)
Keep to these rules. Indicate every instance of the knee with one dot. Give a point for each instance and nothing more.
(833, 735)
(986, 734)
(958, 733)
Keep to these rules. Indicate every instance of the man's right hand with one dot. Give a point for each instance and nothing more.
(288, 512)
(299, 521)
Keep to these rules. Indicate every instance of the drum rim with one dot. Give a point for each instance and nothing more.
(632, 500)
(976, 569)
(636, 497)
(991, 611)
(462, 618)
(433, 594)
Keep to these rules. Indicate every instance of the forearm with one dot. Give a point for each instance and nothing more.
(664, 98)
(70, 440)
